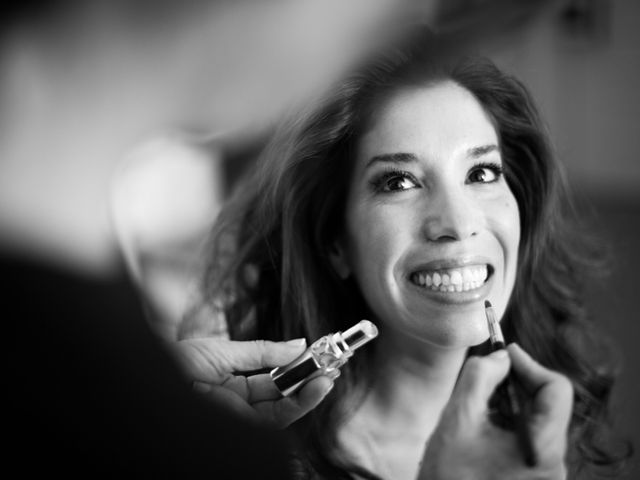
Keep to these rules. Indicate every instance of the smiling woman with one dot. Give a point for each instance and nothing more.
(423, 187)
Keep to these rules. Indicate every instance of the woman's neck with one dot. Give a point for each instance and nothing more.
(414, 381)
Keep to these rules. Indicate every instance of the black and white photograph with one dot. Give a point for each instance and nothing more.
(321, 239)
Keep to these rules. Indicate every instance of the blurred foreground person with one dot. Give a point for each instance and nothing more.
(91, 391)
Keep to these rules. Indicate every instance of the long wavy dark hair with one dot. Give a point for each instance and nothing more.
(270, 275)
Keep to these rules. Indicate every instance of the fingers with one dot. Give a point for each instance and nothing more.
(262, 397)
(550, 388)
(552, 396)
(533, 375)
(213, 360)
(287, 410)
(260, 388)
(479, 378)
(252, 355)
(230, 400)
(211, 363)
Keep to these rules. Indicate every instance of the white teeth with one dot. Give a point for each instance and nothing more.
(453, 280)
(468, 275)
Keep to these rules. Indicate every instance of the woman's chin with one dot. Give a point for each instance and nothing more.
(451, 331)
(442, 326)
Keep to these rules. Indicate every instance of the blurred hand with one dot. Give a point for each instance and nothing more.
(212, 363)
(466, 445)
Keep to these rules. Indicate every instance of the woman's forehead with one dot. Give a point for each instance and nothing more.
(437, 119)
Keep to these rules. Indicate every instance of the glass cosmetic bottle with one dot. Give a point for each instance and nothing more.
(323, 356)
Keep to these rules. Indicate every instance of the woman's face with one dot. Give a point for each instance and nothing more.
(432, 228)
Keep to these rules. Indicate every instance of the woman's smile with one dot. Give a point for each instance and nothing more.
(453, 280)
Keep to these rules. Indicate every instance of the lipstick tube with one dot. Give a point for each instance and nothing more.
(323, 356)
(508, 391)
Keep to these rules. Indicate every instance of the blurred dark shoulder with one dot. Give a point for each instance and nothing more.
(92, 391)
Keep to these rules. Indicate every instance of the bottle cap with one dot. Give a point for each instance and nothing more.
(361, 333)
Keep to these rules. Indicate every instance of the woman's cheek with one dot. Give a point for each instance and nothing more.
(378, 235)
(505, 224)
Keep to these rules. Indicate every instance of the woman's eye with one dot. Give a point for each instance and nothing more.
(394, 182)
(485, 174)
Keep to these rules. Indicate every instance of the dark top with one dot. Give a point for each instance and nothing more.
(93, 393)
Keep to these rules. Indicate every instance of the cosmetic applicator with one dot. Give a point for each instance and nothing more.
(323, 356)
(508, 391)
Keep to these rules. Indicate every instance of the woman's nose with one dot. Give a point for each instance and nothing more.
(451, 215)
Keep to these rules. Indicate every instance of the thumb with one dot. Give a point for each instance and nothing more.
(212, 359)
(479, 378)
(552, 392)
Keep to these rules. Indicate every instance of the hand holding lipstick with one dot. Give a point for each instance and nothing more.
(466, 445)
(213, 363)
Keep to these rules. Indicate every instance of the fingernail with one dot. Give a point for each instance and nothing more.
(328, 389)
(500, 354)
(297, 342)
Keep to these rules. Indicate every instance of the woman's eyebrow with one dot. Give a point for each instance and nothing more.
(399, 157)
(405, 157)
(476, 152)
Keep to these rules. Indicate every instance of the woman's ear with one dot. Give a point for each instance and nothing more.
(338, 259)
